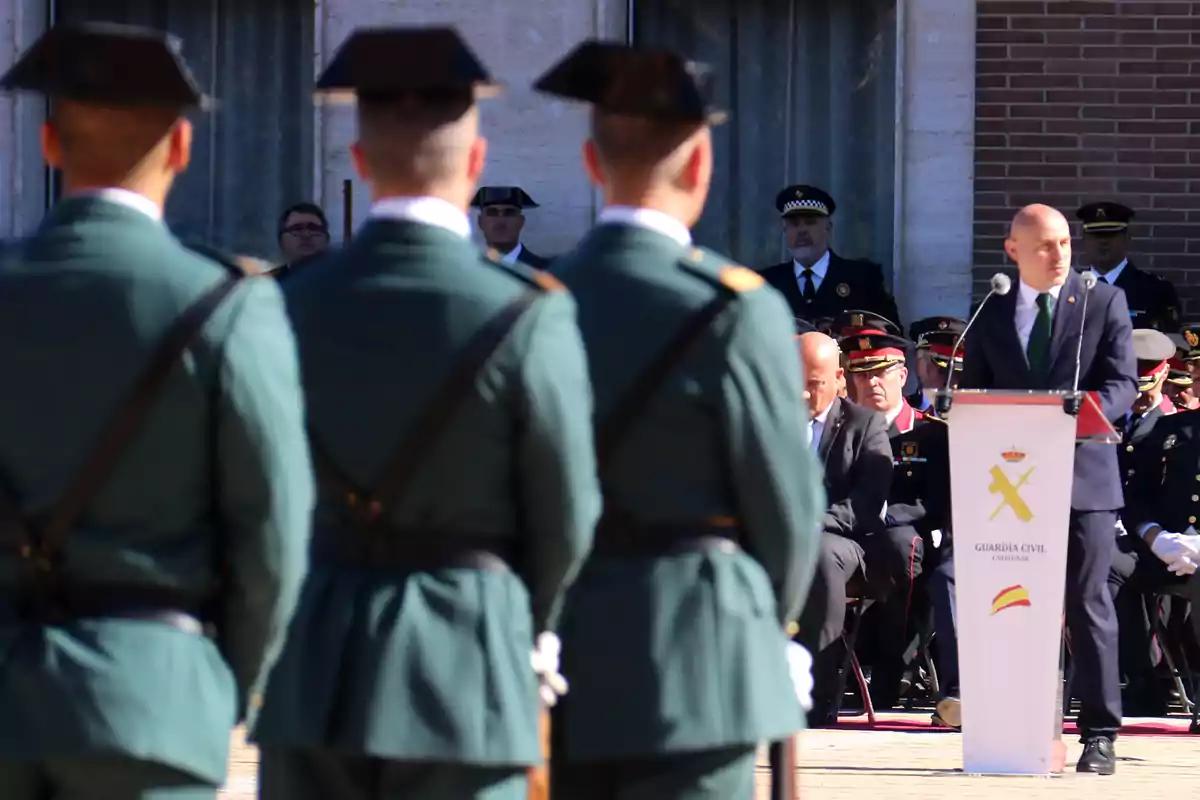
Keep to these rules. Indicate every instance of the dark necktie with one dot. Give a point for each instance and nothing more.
(810, 288)
(1038, 350)
(1102, 279)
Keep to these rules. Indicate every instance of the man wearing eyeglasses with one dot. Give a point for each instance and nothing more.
(502, 218)
(918, 499)
(303, 234)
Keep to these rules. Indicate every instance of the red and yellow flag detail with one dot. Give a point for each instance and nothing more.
(1011, 597)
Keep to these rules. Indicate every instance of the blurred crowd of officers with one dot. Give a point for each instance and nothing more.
(391, 507)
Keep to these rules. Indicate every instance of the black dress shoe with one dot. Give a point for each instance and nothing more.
(1098, 757)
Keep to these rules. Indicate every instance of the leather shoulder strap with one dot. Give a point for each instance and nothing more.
(730, 281)
(124, 424)
(435, 419)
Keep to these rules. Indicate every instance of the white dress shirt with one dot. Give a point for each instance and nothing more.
(425, 210)
(890, 416)
(819, 269)
(1112, 274)
(648, 219)
(511, 256)
(124, 197)
(1027, 310)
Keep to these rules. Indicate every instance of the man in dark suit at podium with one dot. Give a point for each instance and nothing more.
(1027, 339)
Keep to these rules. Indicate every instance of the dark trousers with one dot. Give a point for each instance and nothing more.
(303, 774)
(889, 561)
(112, 778)
(1136, 575)
(726, 774)
(945, 620)
(1091, 622)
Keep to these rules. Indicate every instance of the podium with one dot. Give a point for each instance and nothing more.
(1012, 464)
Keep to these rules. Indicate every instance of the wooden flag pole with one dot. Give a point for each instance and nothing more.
(347, 210)
(539, 777)
(782, 758)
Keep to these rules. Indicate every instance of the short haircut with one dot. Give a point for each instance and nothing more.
(109, 144)
(303, 208)
(640, 142)
(417, 138)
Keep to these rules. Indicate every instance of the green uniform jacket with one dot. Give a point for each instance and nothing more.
(435, 666)
(220, 467)
(687, 652)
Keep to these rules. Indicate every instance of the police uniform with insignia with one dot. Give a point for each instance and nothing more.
(1179, 386)
(848, 323)
(1154, 350)
(935, 339)
(1153, 301)
(674, 633)
(831, 284)
(508, 202)
(449, 411)
(156, 490)
(1161, 459)
(918, 504)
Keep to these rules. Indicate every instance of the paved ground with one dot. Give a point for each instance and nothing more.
(858, 763)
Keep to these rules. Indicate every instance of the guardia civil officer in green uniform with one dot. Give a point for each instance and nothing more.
(448, 394)
(674, 638)
(141, 493)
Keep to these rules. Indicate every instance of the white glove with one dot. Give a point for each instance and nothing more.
(1184, 565)
(1121, 528)
(1170, 547)
(544, 659)
(800, 666)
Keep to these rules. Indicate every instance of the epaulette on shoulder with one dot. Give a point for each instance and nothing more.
(715, 269)
(244, 265)
(931, 417)
(534, 277)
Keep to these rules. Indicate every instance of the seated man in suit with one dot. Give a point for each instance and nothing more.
(852, 444)
(817, 282)
(501, 219)
(917, 505)
(1145, 457)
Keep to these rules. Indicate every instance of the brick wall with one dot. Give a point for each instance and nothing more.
(1082, 100)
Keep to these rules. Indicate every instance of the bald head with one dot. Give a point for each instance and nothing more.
(105, 146)
(1039, 241)
(821, 362)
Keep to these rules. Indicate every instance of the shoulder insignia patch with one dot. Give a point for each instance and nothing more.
(547, 282)
(740, 279)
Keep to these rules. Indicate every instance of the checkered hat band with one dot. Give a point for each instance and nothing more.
(805, 205)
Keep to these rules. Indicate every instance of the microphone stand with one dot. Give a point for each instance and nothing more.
(1073, 402)
(945, 396)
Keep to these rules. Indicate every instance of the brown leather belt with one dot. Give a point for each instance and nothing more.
(407, 550)
(620, 537)
(60, 604)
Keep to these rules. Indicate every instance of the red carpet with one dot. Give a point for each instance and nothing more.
(918, 722)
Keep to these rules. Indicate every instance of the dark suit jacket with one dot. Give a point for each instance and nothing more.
(857, 456)
(848, 284)
(532, 259)
(1152, 300)
(994, 359)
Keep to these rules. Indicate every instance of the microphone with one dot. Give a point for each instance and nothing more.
(1073, 402)
(1001, 285)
